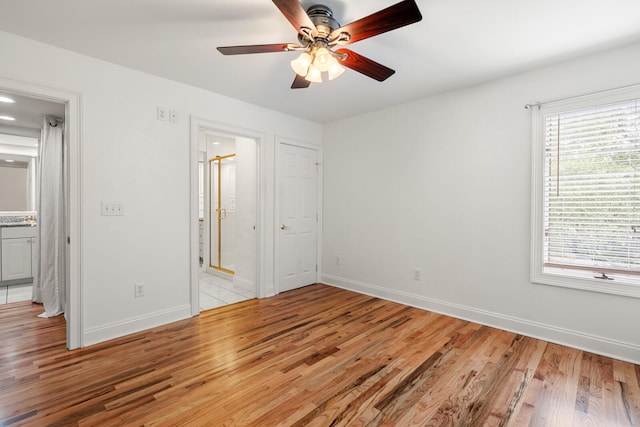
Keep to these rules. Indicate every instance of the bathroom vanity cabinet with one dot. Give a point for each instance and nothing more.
(16, 253)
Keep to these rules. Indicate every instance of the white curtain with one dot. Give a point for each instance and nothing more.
(49, 280)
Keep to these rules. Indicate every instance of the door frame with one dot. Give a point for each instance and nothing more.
(198, 124)
(73, 203)
(280, 141)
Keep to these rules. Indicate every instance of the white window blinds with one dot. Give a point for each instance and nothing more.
(591, 209)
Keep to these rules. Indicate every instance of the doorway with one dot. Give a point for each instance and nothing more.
(70, 102)
(227, 216)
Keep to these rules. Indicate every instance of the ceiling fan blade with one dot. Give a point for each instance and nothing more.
(365, 65)
(253, 48)
(295, 13)
(396, 16)
(300, 82)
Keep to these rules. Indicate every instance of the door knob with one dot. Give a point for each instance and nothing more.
(282, 227)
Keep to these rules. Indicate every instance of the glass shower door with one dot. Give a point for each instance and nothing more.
(222, 213)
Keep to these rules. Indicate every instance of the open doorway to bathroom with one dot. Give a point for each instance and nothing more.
(24, 166)
(227, 218)
(66, 107)
(21, 128)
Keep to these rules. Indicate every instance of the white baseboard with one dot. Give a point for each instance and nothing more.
(629, 352)
(136, 324)
(245, 284)
(218, 273)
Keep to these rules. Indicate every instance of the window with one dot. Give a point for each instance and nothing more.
(586, 219)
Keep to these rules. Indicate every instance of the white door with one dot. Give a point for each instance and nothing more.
(298, 203)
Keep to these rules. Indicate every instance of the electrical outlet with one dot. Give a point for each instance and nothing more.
(338, 260)
(173, 116)
(138, 289)
(162, 114)
(417, 274)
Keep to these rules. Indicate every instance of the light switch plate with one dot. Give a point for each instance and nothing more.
(112, 209)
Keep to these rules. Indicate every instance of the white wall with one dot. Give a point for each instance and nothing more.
(245, 235)
(443, 184)
(128, 156)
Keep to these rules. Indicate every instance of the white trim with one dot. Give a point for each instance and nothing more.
(136, 324)
(73, 125)
(537, 271)
(320, 232)
(197, 124)
(588, 96)
(194, 249)
(621, 350)
(319, 189)
(295, 143)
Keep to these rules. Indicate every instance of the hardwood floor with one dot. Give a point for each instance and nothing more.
(316, 356)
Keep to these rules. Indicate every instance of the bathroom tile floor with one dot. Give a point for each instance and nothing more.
(217, 292)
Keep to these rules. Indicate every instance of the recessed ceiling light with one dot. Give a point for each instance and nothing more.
(216, 143)
(8, 160)
(7, 118)
(6, 99)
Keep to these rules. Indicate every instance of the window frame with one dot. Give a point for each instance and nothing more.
(622, 284)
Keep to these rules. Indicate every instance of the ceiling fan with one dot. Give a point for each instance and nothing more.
(319, 35)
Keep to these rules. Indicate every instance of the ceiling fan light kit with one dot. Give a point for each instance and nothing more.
(302, 63)
(335, 70)
(319, 34)
(313, 63)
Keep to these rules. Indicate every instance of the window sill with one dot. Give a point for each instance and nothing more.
(620, 285)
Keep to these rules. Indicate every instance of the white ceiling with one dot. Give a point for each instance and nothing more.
(458, 43)
(29, 114)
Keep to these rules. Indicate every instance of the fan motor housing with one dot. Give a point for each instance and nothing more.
(322, 18)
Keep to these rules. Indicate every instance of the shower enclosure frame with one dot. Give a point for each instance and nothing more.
(219, 211)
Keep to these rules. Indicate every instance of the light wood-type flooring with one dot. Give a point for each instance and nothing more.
(317, 356)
